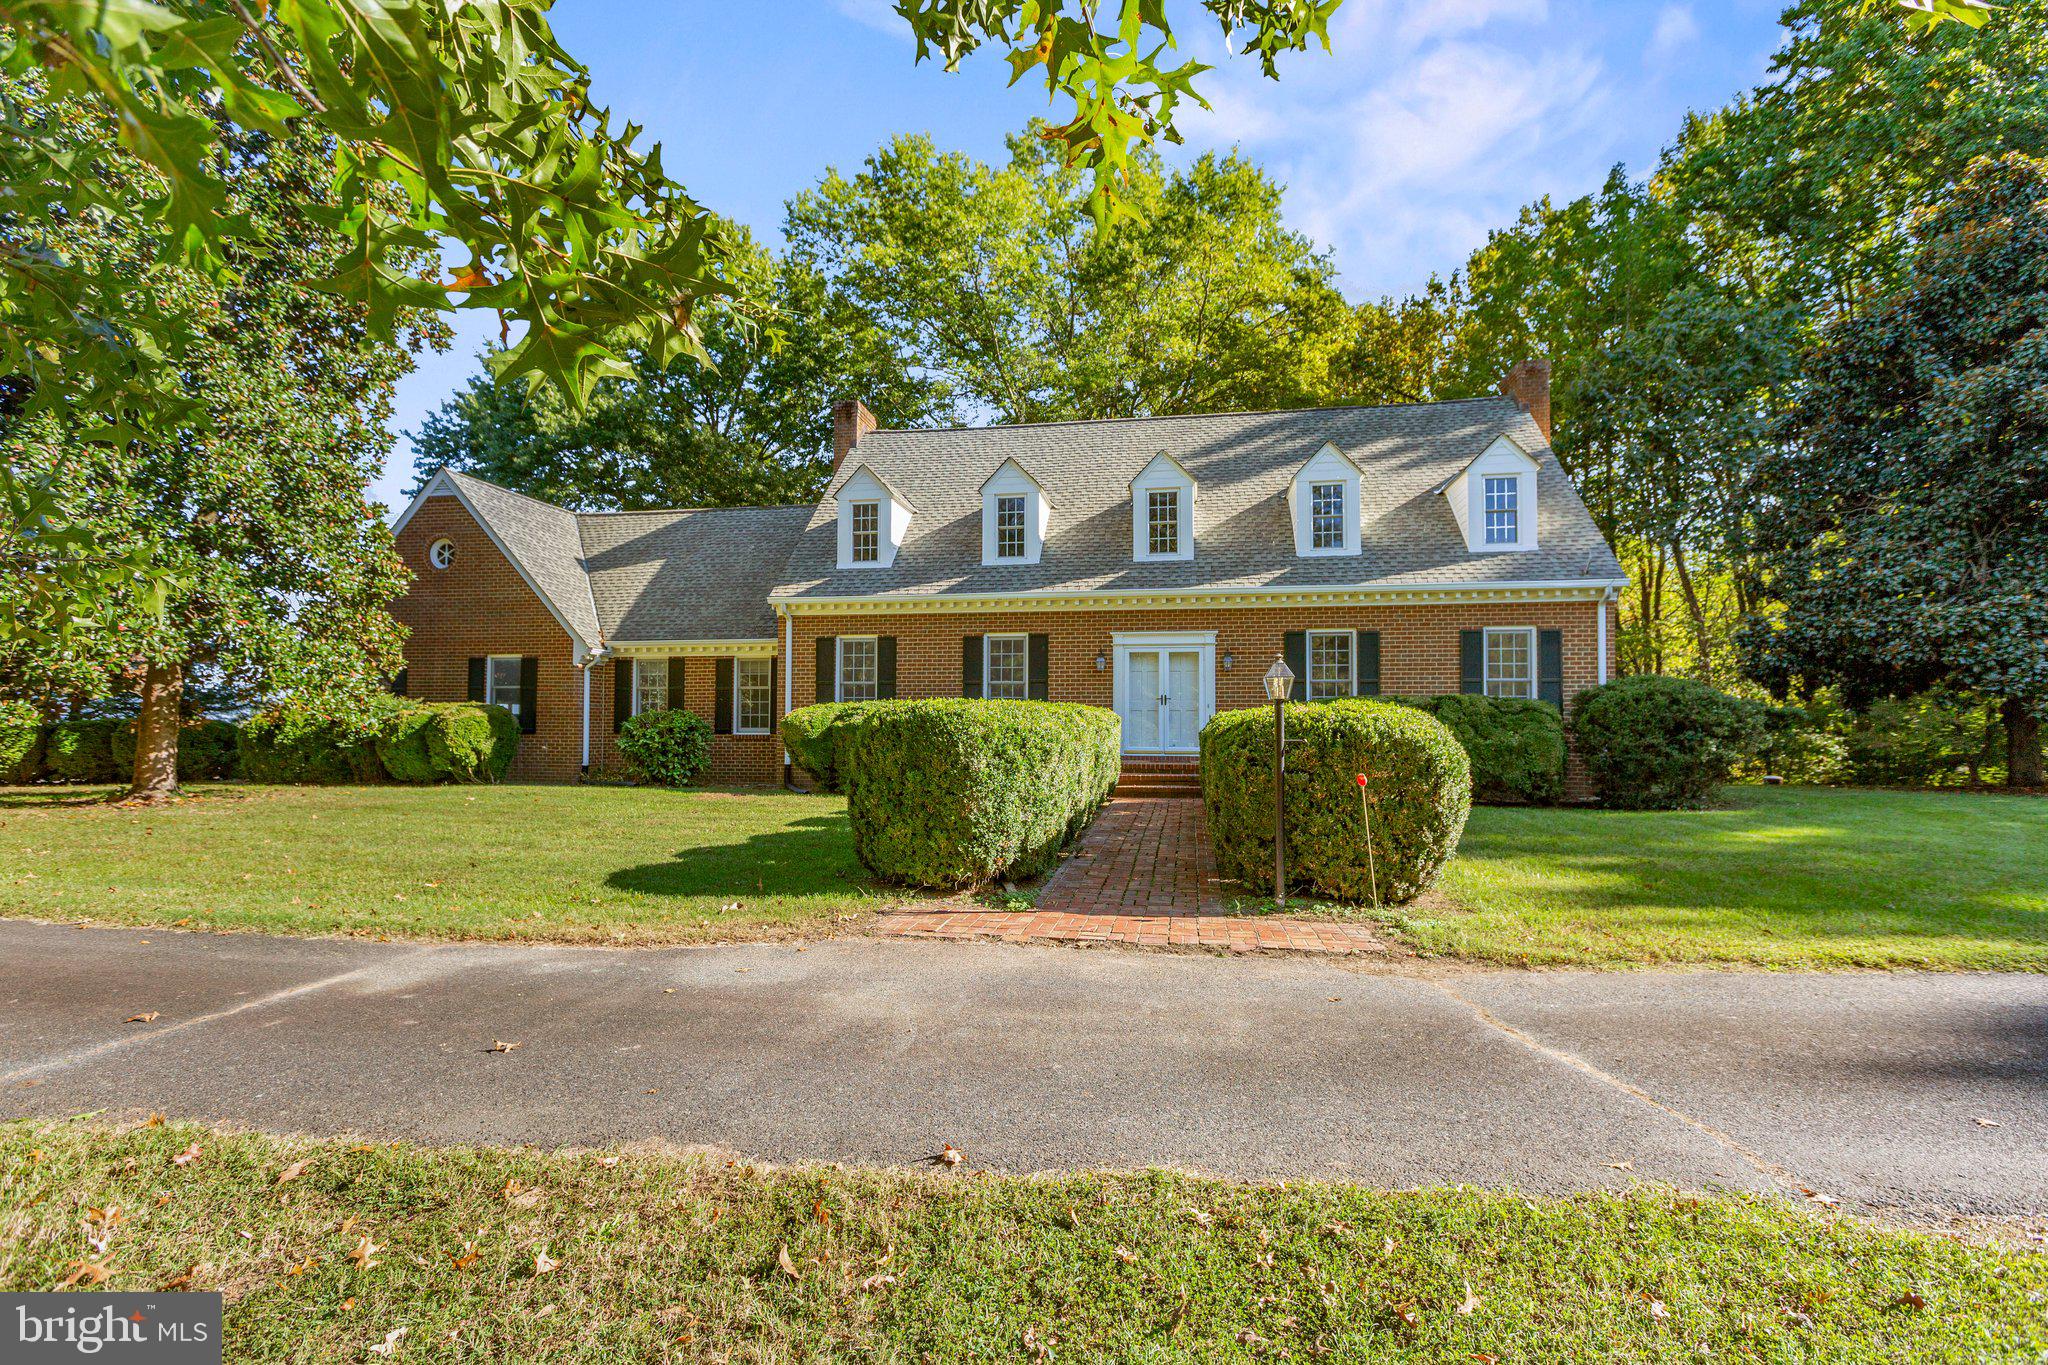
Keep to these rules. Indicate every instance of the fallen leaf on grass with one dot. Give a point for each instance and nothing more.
(181, 1280)
(389, 1345)
(293, 1171)
(820, 1212)
(468, 1256)
(874, 1282)
(153, 1121)
(365, 1253)
(1471, 1303)
(1657, 1308)
(1201, 1217)
(148, 1018)
(1826, 1201)
(782, 1259)
(348, 1303)
(544, 1264)
(186, 1157)
(91, 1272)
(949, 1155)
(1126, 1255)
(1911, 1300)
(1408, 1314)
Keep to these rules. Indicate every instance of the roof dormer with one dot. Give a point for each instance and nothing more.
(872, 520)
(1494, 499)
(1163, 511)
(1323, 498)
(1015, 516)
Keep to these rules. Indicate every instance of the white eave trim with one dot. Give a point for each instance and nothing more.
(763, 648)
(1552, 590)
(442, 484)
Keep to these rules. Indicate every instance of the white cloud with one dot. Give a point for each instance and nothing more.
(875, 14)
(1677, 30)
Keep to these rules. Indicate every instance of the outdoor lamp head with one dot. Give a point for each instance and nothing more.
(1279, 681)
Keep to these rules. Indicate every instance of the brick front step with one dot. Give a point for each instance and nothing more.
(1160, 775)
(1158, 788)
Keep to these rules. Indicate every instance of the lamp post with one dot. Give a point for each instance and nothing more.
(1279, 686)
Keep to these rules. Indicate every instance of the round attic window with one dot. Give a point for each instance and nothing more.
(441, 553)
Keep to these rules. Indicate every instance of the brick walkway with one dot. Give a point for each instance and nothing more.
(1143, 874)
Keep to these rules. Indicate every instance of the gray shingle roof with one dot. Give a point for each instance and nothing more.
(543, 541)
(1241, 463)
(690, 575)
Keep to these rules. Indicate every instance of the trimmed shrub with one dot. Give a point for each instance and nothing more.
(81, 751)
(1655, 743)
(815, 735)
(1421, 791)
(206, 750)
(670, 748)
(955, 793)
(21, 742)
(1799, 745)
(469, 741)
(299, 742)
(402, 746)
(1516, 747)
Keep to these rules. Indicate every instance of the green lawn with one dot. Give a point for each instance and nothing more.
(1789, 877)
(556, 863)
(324, 1250)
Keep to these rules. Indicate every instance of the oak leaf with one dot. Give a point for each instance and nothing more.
(782, 1259)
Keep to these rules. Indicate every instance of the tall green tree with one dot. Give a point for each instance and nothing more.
(1904, 529)
(753, 426)
(998, 283)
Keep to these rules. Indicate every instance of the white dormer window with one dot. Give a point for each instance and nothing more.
(1494, 499)
(872, 519)
(1014, 517)
(1163, 511)
(1323, 502)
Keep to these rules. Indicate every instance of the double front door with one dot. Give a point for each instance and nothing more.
(1162, 700)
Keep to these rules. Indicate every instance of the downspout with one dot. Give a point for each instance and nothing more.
(1601, 607)
(590, 660)
(788, 689)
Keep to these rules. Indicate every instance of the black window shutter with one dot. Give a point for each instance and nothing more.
(970, 666)
(476, 679)
(1368, 663)
(1038, 678)
(1472, 662)
(1550, 667)
(1294, 649)
(398, 683)
(721, 709)
(828, 668)
(675, 682)
(885, 668)
(529, 695)
(622, 693)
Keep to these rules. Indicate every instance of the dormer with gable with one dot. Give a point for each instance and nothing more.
(1323, 498)
(1494, 499)
(1015, 516)
(1163, 511)
(872, 520)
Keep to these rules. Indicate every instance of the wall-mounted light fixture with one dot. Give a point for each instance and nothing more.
(1101, 662)
(1229, 661)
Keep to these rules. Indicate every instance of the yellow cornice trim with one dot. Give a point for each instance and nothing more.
(1200, 599)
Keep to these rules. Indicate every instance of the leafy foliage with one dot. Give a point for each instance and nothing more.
(954, 792)
(21, 741)
(1653, 743)
(670, 747)
(80, 751)
(1419, 788)
(815, 736)
(1516, 747)
(207, 749)
(308, 741)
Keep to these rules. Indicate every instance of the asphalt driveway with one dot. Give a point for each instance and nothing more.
(1924, 1094)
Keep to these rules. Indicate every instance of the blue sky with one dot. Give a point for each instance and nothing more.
(1430, 122)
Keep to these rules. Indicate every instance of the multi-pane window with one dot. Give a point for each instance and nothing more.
(650, 685)
(1006, 670)
(1009, 526)
(1503, 507)
(501, 684)
(1511, 663)
(867, 532)
(1326, 516)
(1162, 521)
(753, 696)
(857, 672)
(1329, 664)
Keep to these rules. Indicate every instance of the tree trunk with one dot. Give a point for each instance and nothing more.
(156, 734)
(1704, 669)
(2023, 744)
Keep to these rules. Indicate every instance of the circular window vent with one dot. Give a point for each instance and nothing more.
(441, 553)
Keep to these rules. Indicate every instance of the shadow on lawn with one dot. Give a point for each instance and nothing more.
(808, 857)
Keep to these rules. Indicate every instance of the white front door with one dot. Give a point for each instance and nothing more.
(1162, 700)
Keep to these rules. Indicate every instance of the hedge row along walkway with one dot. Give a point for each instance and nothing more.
(1143, 874)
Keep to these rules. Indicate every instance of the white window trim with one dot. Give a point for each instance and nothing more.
(1163, 474)
(1023, 501)
(1466, 494)
(1513, 510)
(1315, 490)
(853, 532)
(839, 664)
(435, 556)
(491, 680)
(639, 664)
(1486, 661)
(1180, 524)
(1329, 465)
(1309, 659)
(738, 711)
(1011, 480)
(987, 658)
(892, 518)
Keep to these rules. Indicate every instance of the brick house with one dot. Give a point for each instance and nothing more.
(1152, 565)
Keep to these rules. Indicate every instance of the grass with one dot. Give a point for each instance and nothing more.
(516, 1255)
(1780, 877)
(544, 863)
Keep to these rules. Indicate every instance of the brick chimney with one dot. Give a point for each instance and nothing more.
(1529, 384)
(851, 420)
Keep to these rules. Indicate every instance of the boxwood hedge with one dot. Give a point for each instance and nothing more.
(21, 742)
(1516, 747)
(814, 736)
(301, 742)
(206, 750)
(1656, 743)
(1421, 792)
(81, 751)
(670, 747)
(458, 741)
(953, 793)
